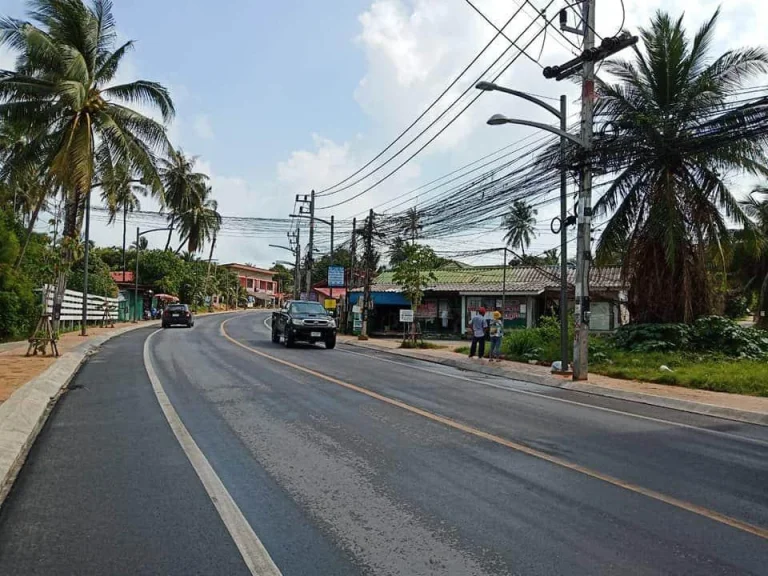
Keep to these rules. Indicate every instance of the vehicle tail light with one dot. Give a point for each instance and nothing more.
(188, 314)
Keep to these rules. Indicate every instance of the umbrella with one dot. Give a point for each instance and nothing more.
(166, 297)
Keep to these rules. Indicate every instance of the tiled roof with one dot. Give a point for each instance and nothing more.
(520, 279)
(247, 268)
(118, 276)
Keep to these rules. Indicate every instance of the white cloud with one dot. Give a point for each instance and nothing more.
(202, 127)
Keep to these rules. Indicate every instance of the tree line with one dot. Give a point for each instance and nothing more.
(68, 130)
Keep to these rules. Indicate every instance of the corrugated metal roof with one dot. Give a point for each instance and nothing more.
(520, 279)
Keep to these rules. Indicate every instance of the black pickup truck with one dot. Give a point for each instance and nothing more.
(302, 321)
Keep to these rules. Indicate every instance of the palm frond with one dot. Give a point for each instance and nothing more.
(144, 92)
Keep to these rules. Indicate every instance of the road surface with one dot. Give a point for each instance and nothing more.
(358, 462)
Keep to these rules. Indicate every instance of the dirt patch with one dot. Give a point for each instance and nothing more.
(16, 369)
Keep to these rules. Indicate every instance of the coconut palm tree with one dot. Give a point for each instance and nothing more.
(200, 222)
(183, 187)
(752, 259)
(63, 95)
(520, 225)
(121, 195)
(678, 133)
(411, 225)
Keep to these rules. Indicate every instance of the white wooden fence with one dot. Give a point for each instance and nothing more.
(72, 306)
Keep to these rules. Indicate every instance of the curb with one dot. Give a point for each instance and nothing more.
(723, 412)
(23, 415)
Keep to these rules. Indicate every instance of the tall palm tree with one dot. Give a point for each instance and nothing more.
(200, 222)
(752, 265)
(411, 226)
(520, 225)
(183, 187)
(678, 134)
(61, 92)
(121, 194)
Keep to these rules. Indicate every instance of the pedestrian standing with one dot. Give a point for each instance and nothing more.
(478, 325)
(496, 329)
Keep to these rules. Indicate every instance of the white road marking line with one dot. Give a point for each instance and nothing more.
(564, 400)
(251, 549)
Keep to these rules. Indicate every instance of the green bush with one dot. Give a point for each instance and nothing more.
(708, 334)
(653, 337)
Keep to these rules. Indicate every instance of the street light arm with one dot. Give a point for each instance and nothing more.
(291, 250)
(497, 119)
(156, 230)
(490, 87)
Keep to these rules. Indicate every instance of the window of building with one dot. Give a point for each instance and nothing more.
(250, 283)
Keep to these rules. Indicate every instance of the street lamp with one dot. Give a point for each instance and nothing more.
(139, 234)
(562, 115)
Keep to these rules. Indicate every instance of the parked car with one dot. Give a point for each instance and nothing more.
(303, 321)
(178, 314)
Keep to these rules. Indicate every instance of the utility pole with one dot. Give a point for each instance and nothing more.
(563, 239)
(297, 268)
(330, 288)
(585, 62)
(351, 272)
(583, 240)
(310, 255)
(368, 261)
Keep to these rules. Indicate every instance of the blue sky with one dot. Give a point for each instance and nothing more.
(276, 98)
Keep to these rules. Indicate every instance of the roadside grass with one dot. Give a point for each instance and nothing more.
(719, 374)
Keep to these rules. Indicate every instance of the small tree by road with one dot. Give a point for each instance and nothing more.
(413, 275)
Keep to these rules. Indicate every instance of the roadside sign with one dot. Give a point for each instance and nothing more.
(356, 309)
(330, 304)
(406, 316)
(336, 276)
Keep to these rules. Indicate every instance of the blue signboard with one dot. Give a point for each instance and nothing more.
(336, 276)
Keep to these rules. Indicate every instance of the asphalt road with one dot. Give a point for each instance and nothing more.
(357, 462)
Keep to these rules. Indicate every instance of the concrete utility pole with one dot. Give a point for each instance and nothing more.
(297, 268)
(368, 261)
(583, 240)
(350, 274)
(330, 288)
(563, 239)
(311, 255)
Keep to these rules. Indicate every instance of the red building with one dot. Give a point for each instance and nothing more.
(259, 283)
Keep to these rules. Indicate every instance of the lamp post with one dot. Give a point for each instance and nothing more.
(562, 115)
(139, 234)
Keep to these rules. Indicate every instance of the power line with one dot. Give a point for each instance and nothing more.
(472, 101)
(327, 191)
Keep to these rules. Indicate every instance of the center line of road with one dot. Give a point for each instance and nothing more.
(522, 448)
(709, 431)
(251, 549)
(562, 400)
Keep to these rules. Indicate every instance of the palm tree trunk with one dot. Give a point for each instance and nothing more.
(70, 232)
(32, 221)
(125, 229)
(762, 314)
(184, 241)
(170, 233)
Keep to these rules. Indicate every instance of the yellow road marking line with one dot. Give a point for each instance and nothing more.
(671, 500)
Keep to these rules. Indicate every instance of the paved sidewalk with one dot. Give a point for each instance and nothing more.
(731, 406)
